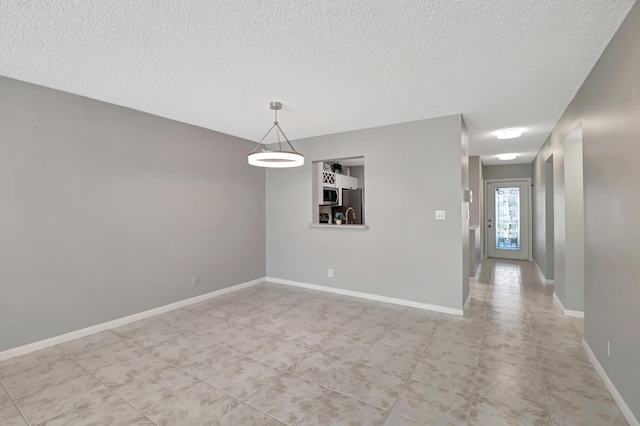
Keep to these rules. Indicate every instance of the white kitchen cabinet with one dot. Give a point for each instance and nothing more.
(353, 182)
(329, 179)
(346, 182)
(324, 180)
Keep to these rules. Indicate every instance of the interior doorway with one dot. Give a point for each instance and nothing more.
(508, 224)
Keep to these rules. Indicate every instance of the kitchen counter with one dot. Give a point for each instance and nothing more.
(333, 225)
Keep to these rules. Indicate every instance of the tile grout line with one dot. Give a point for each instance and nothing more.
(203, 381)
(285, 371)
(169, 365)
(15, 404)
(282, 372)
(359, 362)
(110, 389)
(413, 371)
(535, 348)
(475, 380)
(356, 363)
(534, 314)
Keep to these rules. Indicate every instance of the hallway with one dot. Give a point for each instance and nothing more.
(526, 338)
(279, 355)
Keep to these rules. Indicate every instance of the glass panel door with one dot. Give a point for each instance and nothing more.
(508, 218)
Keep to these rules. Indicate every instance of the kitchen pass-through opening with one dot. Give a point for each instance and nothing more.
(338, 191)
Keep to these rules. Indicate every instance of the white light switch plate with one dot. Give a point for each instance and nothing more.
(440, 215)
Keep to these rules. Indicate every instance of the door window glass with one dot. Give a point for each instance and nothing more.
(508, 218)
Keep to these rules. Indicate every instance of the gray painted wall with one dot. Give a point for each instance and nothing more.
(466, 254)
(107, 212)
(544, 195)
(507, 171)
(538, 208)
(412, 169)
(574, 226)
(476, 210)
(549, 212)
(608, 105)
(481, 206)
(475, 175)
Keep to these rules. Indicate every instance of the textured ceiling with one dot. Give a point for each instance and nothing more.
(335, 65)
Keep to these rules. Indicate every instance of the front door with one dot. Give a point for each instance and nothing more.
(508, 219)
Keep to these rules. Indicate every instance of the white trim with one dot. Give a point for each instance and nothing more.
(622, 405)
(542, 277)
(76, 334)
(467, 302)
(368, 296)
(567, 312)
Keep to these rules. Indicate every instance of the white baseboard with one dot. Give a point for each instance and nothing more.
(566, 312)
(542, 277)
(56, 340)
(368, 296)
(622, 405)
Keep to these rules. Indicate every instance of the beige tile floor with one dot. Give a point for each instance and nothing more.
(274, 355)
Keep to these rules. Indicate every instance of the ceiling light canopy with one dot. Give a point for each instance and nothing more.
(509, 133)
(275, 159)
(505, 157)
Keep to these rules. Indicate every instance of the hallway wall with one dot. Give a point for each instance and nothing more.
(608, 105)
(475, 185)
(574, 226)
(507, 171)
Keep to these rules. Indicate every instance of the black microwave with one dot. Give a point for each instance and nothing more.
(330, 196)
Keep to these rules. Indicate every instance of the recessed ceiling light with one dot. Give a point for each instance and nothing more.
(505, 157)
(509, 133)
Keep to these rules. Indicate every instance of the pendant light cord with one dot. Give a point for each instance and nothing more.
(279, 131)
(275, 111)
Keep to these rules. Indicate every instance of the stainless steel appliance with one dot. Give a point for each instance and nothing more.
(353, 198)
(329, 196)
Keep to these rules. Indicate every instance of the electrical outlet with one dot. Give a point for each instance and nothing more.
(195, 281)
(440, 215)
(330, 273)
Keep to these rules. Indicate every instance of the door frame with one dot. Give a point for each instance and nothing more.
(529, 213)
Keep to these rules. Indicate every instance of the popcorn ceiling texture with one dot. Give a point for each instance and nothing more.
(336, 65)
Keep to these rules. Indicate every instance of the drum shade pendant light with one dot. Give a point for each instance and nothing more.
(280, 158)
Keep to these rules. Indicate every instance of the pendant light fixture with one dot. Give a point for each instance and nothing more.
(279, 158)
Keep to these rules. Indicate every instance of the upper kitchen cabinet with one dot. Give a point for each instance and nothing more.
(328, 179)
(328, 185)
(347, 182)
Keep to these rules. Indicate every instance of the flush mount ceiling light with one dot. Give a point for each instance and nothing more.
(505, 157)
(279, 158)
(509, 133)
